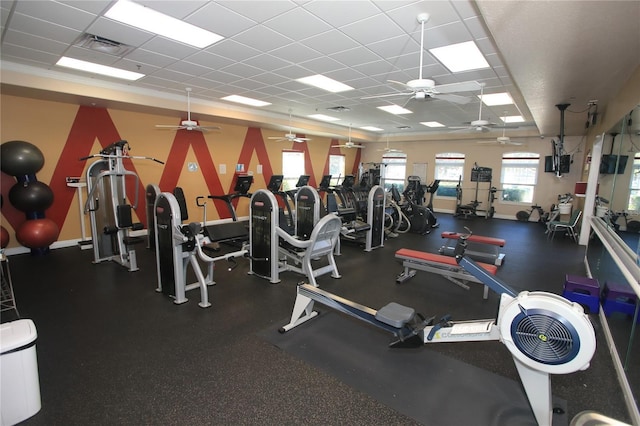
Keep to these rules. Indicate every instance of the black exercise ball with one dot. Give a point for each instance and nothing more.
(19, 158)
(31, 196)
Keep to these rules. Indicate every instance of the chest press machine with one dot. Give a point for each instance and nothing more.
(178, 246)
(273, 250)
(545, 333)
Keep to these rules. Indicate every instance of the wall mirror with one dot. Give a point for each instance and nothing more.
(614, 245)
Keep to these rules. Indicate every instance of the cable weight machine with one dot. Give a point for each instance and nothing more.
(108, 205)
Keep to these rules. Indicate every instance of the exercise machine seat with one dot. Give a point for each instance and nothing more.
(416, 255)
(322, 242)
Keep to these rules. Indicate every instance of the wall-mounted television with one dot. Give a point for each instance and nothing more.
(565, 164)
(609, 162)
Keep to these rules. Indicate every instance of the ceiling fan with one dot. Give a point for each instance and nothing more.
(424, 88)
(188, 124)
(504, 139)
(481, 125)
(349, 144)
(388, 149)
(289, 137)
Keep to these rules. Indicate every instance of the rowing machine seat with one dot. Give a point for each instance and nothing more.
(395, 315)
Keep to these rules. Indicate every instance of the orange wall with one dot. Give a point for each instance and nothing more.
(66, 132)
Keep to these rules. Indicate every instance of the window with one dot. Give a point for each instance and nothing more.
(519, 176)
(336, 169)
(449, 170)
(634, 187)
(394, 170)
(292, 168)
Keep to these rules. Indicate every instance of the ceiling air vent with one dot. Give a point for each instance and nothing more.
(339, 109)
(103, 45)
(403, 127)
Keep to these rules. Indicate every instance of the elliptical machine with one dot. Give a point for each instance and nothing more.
(421, 217)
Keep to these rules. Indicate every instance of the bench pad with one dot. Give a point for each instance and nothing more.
(438, 258)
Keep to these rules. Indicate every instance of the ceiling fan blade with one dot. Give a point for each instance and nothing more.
(388, 95)
(209, 127)
(399, 83)
(465, 86)
(456, 99)
(168, 126)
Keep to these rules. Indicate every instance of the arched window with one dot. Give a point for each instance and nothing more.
(519, 176)
(394, 170)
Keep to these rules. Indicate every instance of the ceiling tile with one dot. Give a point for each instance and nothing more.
(231, 49)
(167, 47)
(343, 12)
(92, 6)
(355, 56)
(116, 31)
(259, 11)
(36, 43)
(297, 24)
(208, 60)
(331, 42)
(373, 29)
(295, 53)
(262, 38)
(27, 56)
(37, 27)
(151, 58)
(220, 20)
(59, 13)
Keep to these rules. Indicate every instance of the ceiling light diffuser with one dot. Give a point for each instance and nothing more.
(496, 99)
(325, 83)
(147, 19)
(395, 109)
(246, 101)
(98, 69)
(372, 128)
(432, 124)
(513, 119)
(323, 117)
(460, 57)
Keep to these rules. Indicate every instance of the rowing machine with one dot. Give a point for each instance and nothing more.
(545, 333)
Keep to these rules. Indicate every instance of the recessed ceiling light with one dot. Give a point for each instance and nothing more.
(98, 69)
(323, 117)
(147, 19)
(395, 109)
(372, 128)
(496, 99)
(513, 119)
(325, 83)
(246, 101)
(460, 57)
(432, 124)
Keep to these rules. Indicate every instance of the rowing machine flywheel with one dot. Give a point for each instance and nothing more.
(547, 332)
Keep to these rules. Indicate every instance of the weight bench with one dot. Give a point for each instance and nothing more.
(480, 248)
(445, 266)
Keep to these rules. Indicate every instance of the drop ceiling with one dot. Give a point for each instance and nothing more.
(543, 53)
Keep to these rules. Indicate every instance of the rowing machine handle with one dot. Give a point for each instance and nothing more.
(198, 201)
(444, 321)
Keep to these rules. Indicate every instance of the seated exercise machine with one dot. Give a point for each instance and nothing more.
(178, 246)
(395, 220)
(110, 188)
(480, 248)
(446, 266)
(274, 250)
(545, 333)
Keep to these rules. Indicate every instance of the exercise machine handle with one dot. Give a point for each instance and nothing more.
(198, 198)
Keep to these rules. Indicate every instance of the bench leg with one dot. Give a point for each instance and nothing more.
(405, 275)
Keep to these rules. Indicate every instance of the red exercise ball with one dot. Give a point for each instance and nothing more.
(4, 237)
(37, 233)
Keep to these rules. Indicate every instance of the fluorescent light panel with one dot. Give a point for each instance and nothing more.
(323, 117)
(147, 19)
(496, 99)
(77, 64)
(372, 128)
(395, 109)
(246, 101)
(432, 124)
(460, 57)
(325, 83)
(513, 119)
